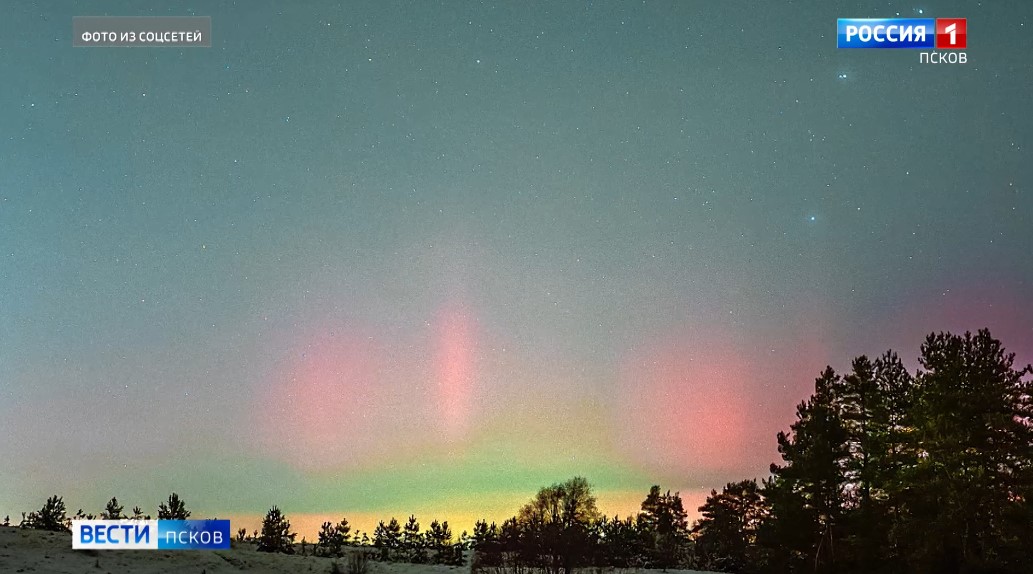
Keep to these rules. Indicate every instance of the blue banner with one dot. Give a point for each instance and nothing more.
(193, 534)
(907, 33)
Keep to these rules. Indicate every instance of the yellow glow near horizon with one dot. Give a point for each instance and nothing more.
(620, 503)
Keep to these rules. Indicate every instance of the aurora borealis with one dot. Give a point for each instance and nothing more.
(370, 259)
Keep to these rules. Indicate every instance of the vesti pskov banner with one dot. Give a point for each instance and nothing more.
(150, 534)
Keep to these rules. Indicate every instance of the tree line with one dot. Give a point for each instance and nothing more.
(888, 471)
(391, 541)
(53, 515)
(561, 529)
(882, 471)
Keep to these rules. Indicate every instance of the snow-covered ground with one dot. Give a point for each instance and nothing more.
(45, 552)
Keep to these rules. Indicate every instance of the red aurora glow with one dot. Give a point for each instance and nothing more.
(683, 407)
(454, 363)
(316, 414)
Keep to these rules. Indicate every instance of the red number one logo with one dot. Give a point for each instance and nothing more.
(951, 34)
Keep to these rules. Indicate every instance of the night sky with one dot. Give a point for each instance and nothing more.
(376, 258)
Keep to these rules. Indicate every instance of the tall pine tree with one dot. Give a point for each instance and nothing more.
(807, 493)
(967, 503)
(873, 402)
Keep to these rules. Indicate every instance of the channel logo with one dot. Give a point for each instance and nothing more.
(902, 33)
(150, 534)
(951, 33)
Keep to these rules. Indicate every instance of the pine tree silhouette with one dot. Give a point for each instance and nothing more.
(113, 510)
(729, 525)
(439, 542)
(50, 517)
(276, 533)
(175, 510)
(412, 542)
(664, 529)
(333, 537)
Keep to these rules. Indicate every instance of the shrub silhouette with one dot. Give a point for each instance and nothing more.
(80, 515)
(50, 517)
(358, 562)
(276, 533)
(176, 509)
